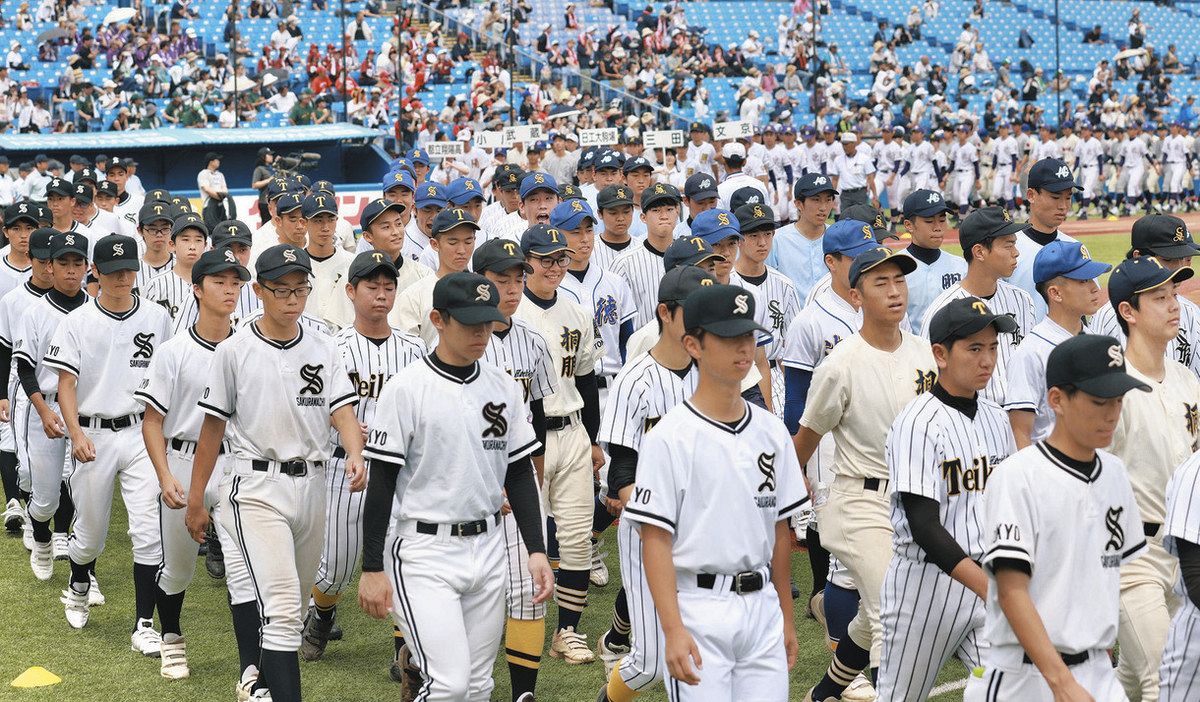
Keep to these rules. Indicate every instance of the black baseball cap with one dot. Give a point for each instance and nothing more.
(191, 220)
(754, 217)
(83, 194)
(122, 162)
(377, 207)
(106, 187)
(924, 203)
(180, 210)
(614, 196)
(85, 173)
(746, 196)
(115, 252)
(281, 259)
(40, 243)
(1141, 274)
(700, 186)
(722, 310)
(965, 316)
(1163, 235)
(508, 176)
(21, 210)
(316, 204)
(870, 215)
(216, 261)
(689, 251)
(231, 231)
(1052, 174)
(450, 218)
(610, 160)
(468, 297)
(677, 283)
(68, 243)
(158, 195)
(543, 240)
(567, 191)
(985, 224)
(698, 127)
(1092, 363)
(368, 263)
(499, 255)
(288, 202)
(877, 256)
(658, 194)
(58, 186)
(811, 184)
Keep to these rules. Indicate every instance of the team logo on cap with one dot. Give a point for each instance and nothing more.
(879, 220)
(723, 219)
(70, 239)
(1005, 214)
(510, 247)
(621, 191)
(483, 292)
(1180, 234)
(23, 208)
(706, 183)
(576, 206)
(432, 191)
(741, 304)
(539, 178)
(820, 181)
(1084, 252)
(119, 249)
(658, 190)
(706, 281)
(79, 189)
(866, 230)
(229, 257)
(979, 307)
(233, 230)
(1116, 357)
(753, 199)
(469, 185)
(497, 427)
(398, 177)
(289, 255)
(758, 212)
(1063, 172)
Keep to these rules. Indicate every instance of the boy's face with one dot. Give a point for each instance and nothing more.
(68, 272)
(617, 220)
(454, 247)
(322, 228)
(188, 245)
(287, 309)
(928, 232)
(756, 245)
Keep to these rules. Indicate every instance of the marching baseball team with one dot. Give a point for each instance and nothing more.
(468, 396)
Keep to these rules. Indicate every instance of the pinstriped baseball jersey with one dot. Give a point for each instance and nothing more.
(454, 438)
(1027, 375)
(777, 296)
(642, 393)
(371, 363)
(175, 381)
(1183, 522)
(1183, 348)
(937, 450)
(605, 254)
(32, 339)
(574, 347)
(642, 268)
(612, 303)
(521, 352)
(168, 290)
(1009, 300)
(248, 303)
(147, 272)
(109, 354)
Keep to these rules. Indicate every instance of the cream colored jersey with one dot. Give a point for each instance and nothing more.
(328, 301)
(411, 311)
(1157, 432)
(857, 393)
(575, 347)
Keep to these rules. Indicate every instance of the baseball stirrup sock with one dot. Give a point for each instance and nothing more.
(41, 530)
(66, 510)
(325, 605)
(145, 585)
(818, 560)
(617, 690)
(8, 474)
(169, 609)
(571, 596)
(79, 575)
(246, 625)
(618, 634)
(849, 660)
(282, 668)
(523, 644)
(601, 518)
(397, 639)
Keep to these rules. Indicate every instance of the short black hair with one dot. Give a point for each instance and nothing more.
(968, 253)
(1133, 302)
(374, 276)
(671, 307)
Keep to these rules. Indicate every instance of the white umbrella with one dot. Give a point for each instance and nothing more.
(1128, 53)
(237, 83)
(120, 14)
(269, 79)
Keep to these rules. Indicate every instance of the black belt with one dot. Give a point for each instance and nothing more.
(750, 581)
(190, 446)
(602, 381)
(1150, 529)
(116, 423)
(1068, 658)
(50, 396)
(339, 452)
(873, 484)
(475, 528)
(296, 469)
(558, 423)
(854, 190)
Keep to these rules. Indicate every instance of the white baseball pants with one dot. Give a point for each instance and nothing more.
(1023, 682)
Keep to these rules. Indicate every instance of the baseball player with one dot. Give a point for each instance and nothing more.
(1132, 156)
(925, 221)
(169, 392)
(189, 239)
(712, 560)
(921, 167)
(1065, 278)
(20, 221)
(889, 366)
(274, 506)
(1089, 160)
(291, 227)
(330, 263)
(1181, 538)
(691, 251)
(641, 265)
(503, 212)
(699, 194)
(1175, 163)
(1046, 642)
(966, 170)
(1157, 431)
(101, 351)
(886, 154)
(233, 235)
(154, 227)
(648, 387)
(1005, 156)
(616, 213)
(383, 230)
(462, 193)
(450, 497)
(452, 235)
(572, 420)
(1051, 184)
(940, 452)
(988, 237)
(797, 251)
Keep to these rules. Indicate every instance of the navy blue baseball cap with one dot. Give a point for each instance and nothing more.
(877, 256)
(700, 186)
(570, 214)
(677, 283)
(632, 164)
(289, 202)
(1052, 174)
(811, 184)
(849, 237)
(748, 195)
(368, 263)
(40, 243)
(721, 310)
(985, 224)
(715, 226)
(543, 240)
(965, 316)
(1092, 363)
(281, 259)
(689, 251)
(468, 297)
(924, 203)
(587, 158)
(320, 203)
(535, 181)
(463, 190)
(324, 185)
(278, 187)
(398, 179)
(419, 155)
(1141, 274)
(431, 195)
(1069, 259)
(610, 160)
(375, 208)
(450, 218)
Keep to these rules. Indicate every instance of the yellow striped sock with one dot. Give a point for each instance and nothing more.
(523, 642)
(617, 690)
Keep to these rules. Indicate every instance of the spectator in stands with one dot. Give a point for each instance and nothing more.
(15, 60)
(23, 19)
(359, 30)
(914, 22)
(181, 9)
(260, 9)
(1171, 62)
(1094, 35)
(1187, 112)
(227, 118)
(321, 112)
(303, 112)
(283, 101)
(1137, 29)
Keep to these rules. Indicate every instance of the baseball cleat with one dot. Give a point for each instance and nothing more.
(174, 658)
(59, 541)
(14, 516)
(571, 646)
(409, 677)
(41, 561)
(261, 695)
(76, 608)
(526, 697)
(861, 690)
(315, 637)
(214, 559)
(335, 632)
(145, 640)
(27, 535)
(599, 574)
(603, 695)
(610, 655)
(808, 697)
(245, 685)
(95, 597)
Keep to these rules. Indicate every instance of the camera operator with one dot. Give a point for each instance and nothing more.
(214, 193)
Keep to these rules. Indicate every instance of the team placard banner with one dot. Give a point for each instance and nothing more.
(732, 130)
(442, 149)
(665, 139)
(490, 140)
(523, 133)
(598, 137)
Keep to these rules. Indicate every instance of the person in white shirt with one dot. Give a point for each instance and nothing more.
(283, 101)
(211, 181)
(734, 155)
(851, 170)
(700, 153)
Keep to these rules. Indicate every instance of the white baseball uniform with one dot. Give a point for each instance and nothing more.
(1089, 156)
(1181, 656)
(169, 290)
(1027, 375)
(929, 281)
(612, 303)
(13, 307)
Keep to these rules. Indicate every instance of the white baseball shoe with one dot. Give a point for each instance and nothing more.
(14, 515)
(861, 690)
(246, 683)
(174, 657)
(27, 535)
(261, 695)
(599, 574)
(60, 546)
(145, 640)
(41, 561)
(610, 654)
(571, 646)
(76, 608)
(95, 597)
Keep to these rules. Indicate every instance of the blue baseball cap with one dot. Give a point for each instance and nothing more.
(543, 240)
(463, 190)
(849, 237)
(320, 203)
(403, 163)
(420, 156)
(570, 214)
(431, 195)
(539, 146)
(715, 225)
(1141, 274)
(811, 184)
(1052, 174)
(537, 181)
(925, 203)
(1068, 259)
(398, 179)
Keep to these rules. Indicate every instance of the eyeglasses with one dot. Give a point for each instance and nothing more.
(158, 231)
(547, 262)
(284, 293)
